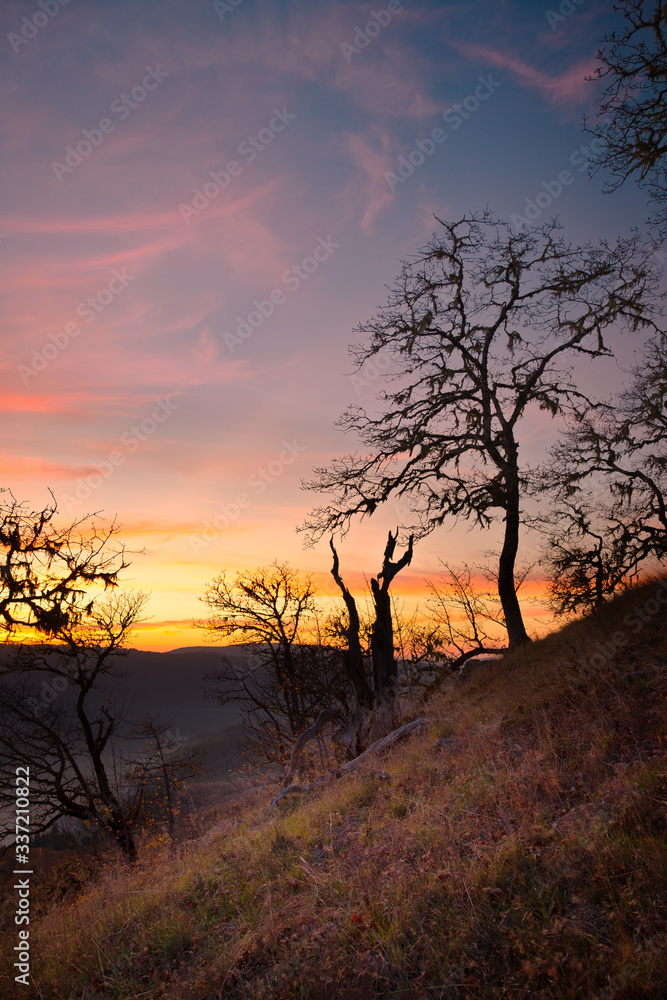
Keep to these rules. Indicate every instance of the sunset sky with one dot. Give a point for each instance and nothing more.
(171, 342)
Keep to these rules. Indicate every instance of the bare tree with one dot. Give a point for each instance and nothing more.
(592, 554)
(421, 652)
(372, 671)
(609, 475)
(466, 618)
(46, 568)
(484, 326)
(353, 657)
(417, 643)
(160, 769)
(632, 110)
(291, 675)
(68, 742)
(385, 667)
(384, 687)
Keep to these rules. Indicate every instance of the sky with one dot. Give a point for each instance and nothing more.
(199, 202)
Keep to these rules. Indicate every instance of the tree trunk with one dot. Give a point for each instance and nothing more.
(112, 818)
(294, 713)
(383, 744)
(123, 837)
(326, 715)
(516, 630)
(353, 656)
(385, 668)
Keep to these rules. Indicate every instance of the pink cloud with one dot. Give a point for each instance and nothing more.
(569, 87)
(245, 239)
(210, 366)
(178, 370)
(31, 467)
(69, 402)
(385, 79)
(243, 215)
(370, 189)
(388, 83)
(91, 223)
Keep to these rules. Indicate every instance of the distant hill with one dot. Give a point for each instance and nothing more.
(170, 685)
(205, 650)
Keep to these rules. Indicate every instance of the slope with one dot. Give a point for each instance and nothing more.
(518, 848)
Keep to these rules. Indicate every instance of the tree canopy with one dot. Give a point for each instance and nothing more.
(632, 110)
(484, 326)
(46, 568)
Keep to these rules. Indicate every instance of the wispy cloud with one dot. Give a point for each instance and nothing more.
(367, 192)
(568, 87)
(39, 469)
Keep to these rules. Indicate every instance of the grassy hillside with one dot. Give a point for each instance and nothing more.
(518, 848)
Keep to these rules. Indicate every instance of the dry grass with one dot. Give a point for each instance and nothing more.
(518, 849)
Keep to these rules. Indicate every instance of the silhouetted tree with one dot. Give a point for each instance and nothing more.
(385, 667)
(483, 326)
(420, 651)
(45, 568)
(67, 741)
(291, 674)
(382, 685)
(160, 769)
(609, 474)
(372, 671)
(632, 109)
(591, 554)
(468, 616)
(349, 630)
